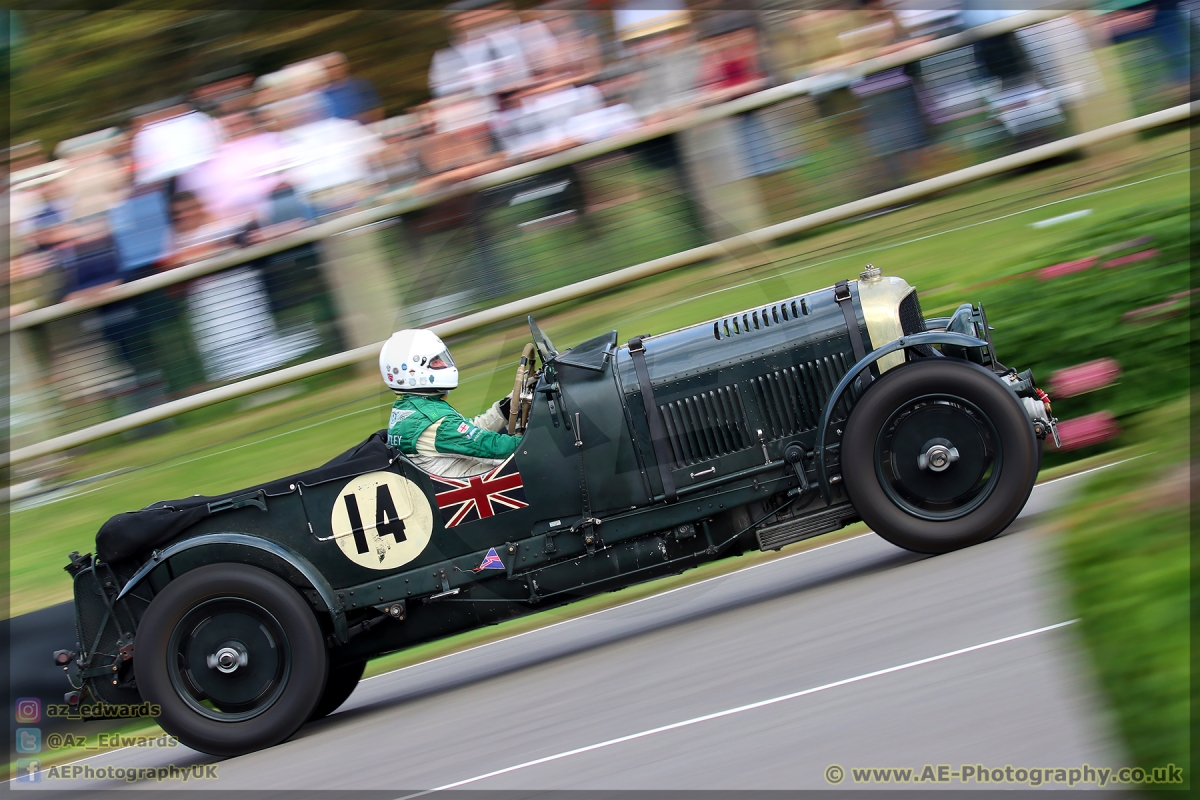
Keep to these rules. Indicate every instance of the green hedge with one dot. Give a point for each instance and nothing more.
(1067, 320)
(1125, 553)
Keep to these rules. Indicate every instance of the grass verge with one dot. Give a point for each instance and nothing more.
(942, 246)
(1126, 554)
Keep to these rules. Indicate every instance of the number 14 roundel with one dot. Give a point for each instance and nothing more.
(381, 520)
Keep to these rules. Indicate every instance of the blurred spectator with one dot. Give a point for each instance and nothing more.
(242, 172)
(296, 291)
(897, 130)
(33, 272)
(334, 162)
(731, 64)
(171, 141)
(89, 258)
(732, 68)
(282, 212)
(597, 116)
(140, 226)
(93, 176)
(999, 57)
(228, 91)
(349, 97)
(141, 229)
(667, 63)
(1166, 23)
(400, 158)
(491, 51)
(1172, 31)
(460, 146)
(576, 57)
(196, 234)
(535, 124)
(229, 311)
(28, 172)
(546, 120)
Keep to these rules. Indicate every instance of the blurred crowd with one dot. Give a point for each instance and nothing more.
(250, 158)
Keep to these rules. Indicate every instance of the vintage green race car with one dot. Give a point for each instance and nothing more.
(244, 616)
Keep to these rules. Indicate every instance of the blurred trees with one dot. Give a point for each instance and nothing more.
(77, 71)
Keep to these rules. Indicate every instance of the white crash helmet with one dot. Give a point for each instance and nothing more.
(417, 361)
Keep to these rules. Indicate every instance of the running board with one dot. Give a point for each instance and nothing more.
(773, 537)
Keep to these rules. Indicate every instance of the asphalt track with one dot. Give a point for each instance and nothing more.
(855, 653)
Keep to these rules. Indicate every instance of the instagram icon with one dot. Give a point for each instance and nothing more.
(29, 710)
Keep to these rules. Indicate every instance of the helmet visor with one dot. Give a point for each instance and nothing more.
(441, 361)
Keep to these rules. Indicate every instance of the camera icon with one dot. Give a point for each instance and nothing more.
(29, 740)
(29, 710)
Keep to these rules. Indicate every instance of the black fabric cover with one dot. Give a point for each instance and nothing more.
(135, 533)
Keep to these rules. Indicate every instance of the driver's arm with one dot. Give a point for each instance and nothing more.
(495, 418)
(462, 437)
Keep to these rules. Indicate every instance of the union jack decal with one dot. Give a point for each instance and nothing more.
(480, 496)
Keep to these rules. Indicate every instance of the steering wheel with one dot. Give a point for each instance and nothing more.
(516, 415)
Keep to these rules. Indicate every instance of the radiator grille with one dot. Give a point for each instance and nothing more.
(913, 321)
(791, 400)
(706, 425)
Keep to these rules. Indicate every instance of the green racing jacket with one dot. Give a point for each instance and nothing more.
(413, 415)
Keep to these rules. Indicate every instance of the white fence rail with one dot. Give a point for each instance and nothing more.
(752, 239)
(500, 177)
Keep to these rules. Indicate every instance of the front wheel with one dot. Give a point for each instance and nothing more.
(233, 656)
(939, 455)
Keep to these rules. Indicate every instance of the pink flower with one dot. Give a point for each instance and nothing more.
(1167, 308)
(1087, 377)
(1132, 258)
(1087, 430)
(1065, 268)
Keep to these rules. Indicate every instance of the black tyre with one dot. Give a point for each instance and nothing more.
(939, 455)
(338, 688)
(234, 657)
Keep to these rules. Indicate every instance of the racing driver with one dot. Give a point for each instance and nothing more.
(417, 366)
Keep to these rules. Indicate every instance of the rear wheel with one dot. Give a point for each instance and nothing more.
(234, 657)
(338, 688)
(939, 455)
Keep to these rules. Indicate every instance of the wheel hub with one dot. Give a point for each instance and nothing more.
(229, 658)
(938, 456)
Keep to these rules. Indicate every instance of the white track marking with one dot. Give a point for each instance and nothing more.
(547, 627)
(1097, 469)
(643, 599)
(691, 585)
(882, 247)
(739, 709)
(1074, 215)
